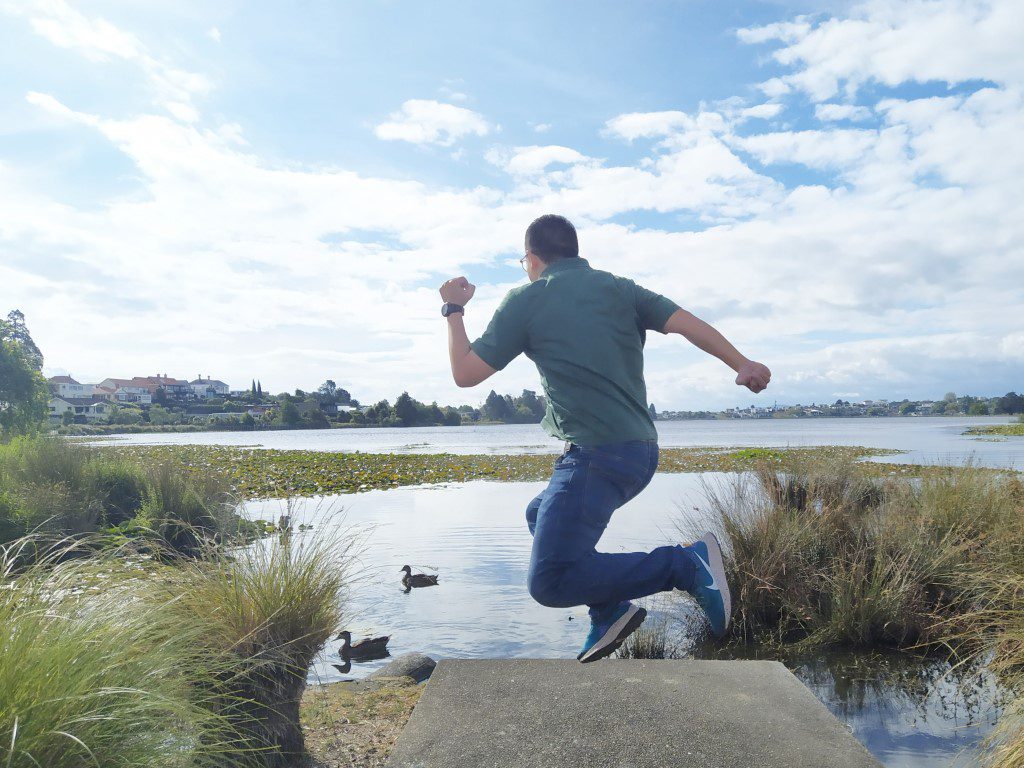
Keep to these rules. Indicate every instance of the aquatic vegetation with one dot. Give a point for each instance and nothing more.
(819, 554)
(1016, 429)
(265, 474)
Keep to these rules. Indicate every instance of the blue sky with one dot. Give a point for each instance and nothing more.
(248, 190)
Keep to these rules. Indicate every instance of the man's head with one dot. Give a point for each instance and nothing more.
(548, 239)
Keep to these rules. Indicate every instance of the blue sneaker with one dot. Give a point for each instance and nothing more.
(607, 634)
(710, 587)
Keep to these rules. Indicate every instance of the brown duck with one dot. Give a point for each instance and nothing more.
(367, 648)
(411, 579)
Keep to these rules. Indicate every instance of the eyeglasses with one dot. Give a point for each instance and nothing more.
(522, 261)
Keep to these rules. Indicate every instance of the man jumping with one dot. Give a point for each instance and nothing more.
(585, 329)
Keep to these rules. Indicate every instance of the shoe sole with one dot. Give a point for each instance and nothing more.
(717, 563)
(616, 634)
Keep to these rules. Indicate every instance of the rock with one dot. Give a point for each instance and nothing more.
(418, 666)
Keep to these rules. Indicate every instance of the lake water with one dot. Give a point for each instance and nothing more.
(473, 535)
(927, 440)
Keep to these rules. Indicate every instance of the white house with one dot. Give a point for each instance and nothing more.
(92, 408)
(207, 388)
(65, 386)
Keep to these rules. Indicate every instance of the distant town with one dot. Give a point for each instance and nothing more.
(162, 402)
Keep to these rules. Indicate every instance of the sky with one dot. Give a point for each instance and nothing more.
(277, 191)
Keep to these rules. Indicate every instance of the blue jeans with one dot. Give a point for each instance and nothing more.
(567, 519)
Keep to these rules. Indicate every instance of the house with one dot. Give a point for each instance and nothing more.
(65, 386)
(93, 408)
(177, 389)
(125, 391)
(207, 388)
(259, 410)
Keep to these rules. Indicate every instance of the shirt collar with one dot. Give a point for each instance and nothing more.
(575, 262)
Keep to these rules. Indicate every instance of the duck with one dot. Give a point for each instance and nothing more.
(411, 579)
(367, 648)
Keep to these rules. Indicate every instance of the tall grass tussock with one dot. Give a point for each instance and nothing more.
(818, 554)
(119, 659)
(52, 488)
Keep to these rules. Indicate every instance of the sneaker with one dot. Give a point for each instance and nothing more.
(607, 634)
(710, 587)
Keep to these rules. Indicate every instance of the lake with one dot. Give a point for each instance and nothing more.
(927, 440)
(474, 537)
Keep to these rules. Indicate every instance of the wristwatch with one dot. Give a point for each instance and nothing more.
(449, 308)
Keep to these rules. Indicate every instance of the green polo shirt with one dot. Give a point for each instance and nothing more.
(585, 329)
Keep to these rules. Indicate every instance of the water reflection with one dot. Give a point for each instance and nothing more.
(910, 712)
(474, 537)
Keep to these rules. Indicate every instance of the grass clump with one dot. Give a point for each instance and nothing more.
(268, 610)
(112, 657)
(91, 673)
(54, 488)
(820, 555)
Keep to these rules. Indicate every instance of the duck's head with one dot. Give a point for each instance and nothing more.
(407, 569)
(345, 635)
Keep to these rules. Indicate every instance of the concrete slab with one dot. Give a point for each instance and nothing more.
(621, 713)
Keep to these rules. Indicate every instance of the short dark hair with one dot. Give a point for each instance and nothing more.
(552, 237)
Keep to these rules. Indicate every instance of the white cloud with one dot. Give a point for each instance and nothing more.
(896, 41)
(815, 149)
(99, 40)
(424, 121)
(528, 161)
(214, 34)
(541, 127)
(836, 112)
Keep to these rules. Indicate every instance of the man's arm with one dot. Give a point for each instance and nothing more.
(468, 369)
(754, 376)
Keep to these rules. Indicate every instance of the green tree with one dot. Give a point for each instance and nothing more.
(950, 397)
(289, 413)
(452, 418)
(16, 330)
(978, 408)
(496, 408)
(406, 410)
(653, 411)
(67, 418)
(24, 395)
(907, 408)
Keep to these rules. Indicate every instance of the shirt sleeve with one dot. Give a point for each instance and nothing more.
(505, 336)
(653, 309)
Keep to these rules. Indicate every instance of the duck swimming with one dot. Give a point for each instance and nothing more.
(367, 648)
(411, 579)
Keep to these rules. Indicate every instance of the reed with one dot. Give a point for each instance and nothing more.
(818, 555)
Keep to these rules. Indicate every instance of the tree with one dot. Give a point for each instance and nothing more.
(950, 397)
(253, 390)
(653, 411)
(907, 408)
(452, 418)
(978, 408)
(496, 407)
(24, 395)
(406, 410)
(259, 390)
(15, 330)
(290, 413)
(67, 418)
(1011, 402)
(160, 396)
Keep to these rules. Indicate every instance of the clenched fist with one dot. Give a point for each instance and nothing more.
(753, 376)
(458, 290)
